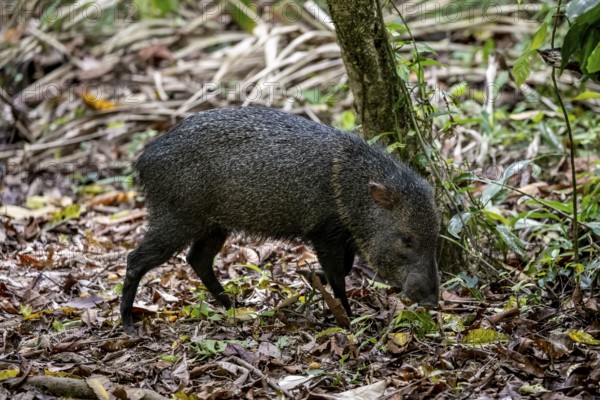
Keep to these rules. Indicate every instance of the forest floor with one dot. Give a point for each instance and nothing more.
(81, 98)
(59, 314)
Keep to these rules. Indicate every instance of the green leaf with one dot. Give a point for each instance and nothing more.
(503, 77)
(25, 310)
(403, 72)
(425, 48)
(565, 207)
(495, 188)
(488, 48)
(170, 358)
(582, 40)
(68, 213)
(595, 226)
(533, 389)
(396, 26)
(394, 146)
(583, 337)
(281, 342)
(376, 138)
(156, 8)
(493, 213)
(348, 120)
(423, 323)
(454, 322)
(314, 372)
(538, 117)
(593, 62)
(528, 223)
(58, 326)
(210, 347)
(400, 338)
(50, 15)
(242, 313)
(242, 12)
(539, 37)
(312, 96)
(457, 223)
(428, 62)
(483, 336)
(9, 373)
(522, 69)
(537, 213)
(329, 331)
(458, 89)
(491, 191)
(577, 7)
(572, 43)
(517, 168)
(36, 202)
(253, 268)
(591, 16)
(587, 94)
(512, 241)
(591, 41)
(166, 6)
(485, 5)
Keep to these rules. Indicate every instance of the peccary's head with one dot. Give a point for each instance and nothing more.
(403, 238)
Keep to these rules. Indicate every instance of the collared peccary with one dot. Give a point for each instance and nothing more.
(268, 173)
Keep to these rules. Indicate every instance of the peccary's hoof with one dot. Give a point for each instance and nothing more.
(127, 323)
(428, 305)
(129, 329)
(236, 304)
(226, 302)
(407, 301)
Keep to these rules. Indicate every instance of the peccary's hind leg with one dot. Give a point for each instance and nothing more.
(350, 253)
(334, 257)
(154, 250)
(201, 256)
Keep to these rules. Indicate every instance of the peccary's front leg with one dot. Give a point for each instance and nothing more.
(201, 257)
(153, 251)
(336, 260)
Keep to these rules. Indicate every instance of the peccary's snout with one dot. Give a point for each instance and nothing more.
(423, 286)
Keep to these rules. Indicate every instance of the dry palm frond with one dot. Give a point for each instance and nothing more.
(151, 72)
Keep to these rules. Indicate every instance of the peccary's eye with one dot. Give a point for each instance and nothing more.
(406, 240)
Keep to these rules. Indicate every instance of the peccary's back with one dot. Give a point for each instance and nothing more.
(260, 171)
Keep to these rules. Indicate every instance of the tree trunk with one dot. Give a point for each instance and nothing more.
(369, 61)
(379, 94)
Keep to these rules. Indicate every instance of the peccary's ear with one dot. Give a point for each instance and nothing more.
(382, 195)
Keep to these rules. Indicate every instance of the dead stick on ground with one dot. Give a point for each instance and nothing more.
(335, 305)
(70, 387)
(258, 372)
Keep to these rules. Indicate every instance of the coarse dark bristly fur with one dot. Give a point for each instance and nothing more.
(272, 174)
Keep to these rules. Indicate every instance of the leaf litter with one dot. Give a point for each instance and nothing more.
(60, 298)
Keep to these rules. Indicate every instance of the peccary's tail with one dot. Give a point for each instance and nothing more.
(139, 173)
(152, 170)
(139, 169)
